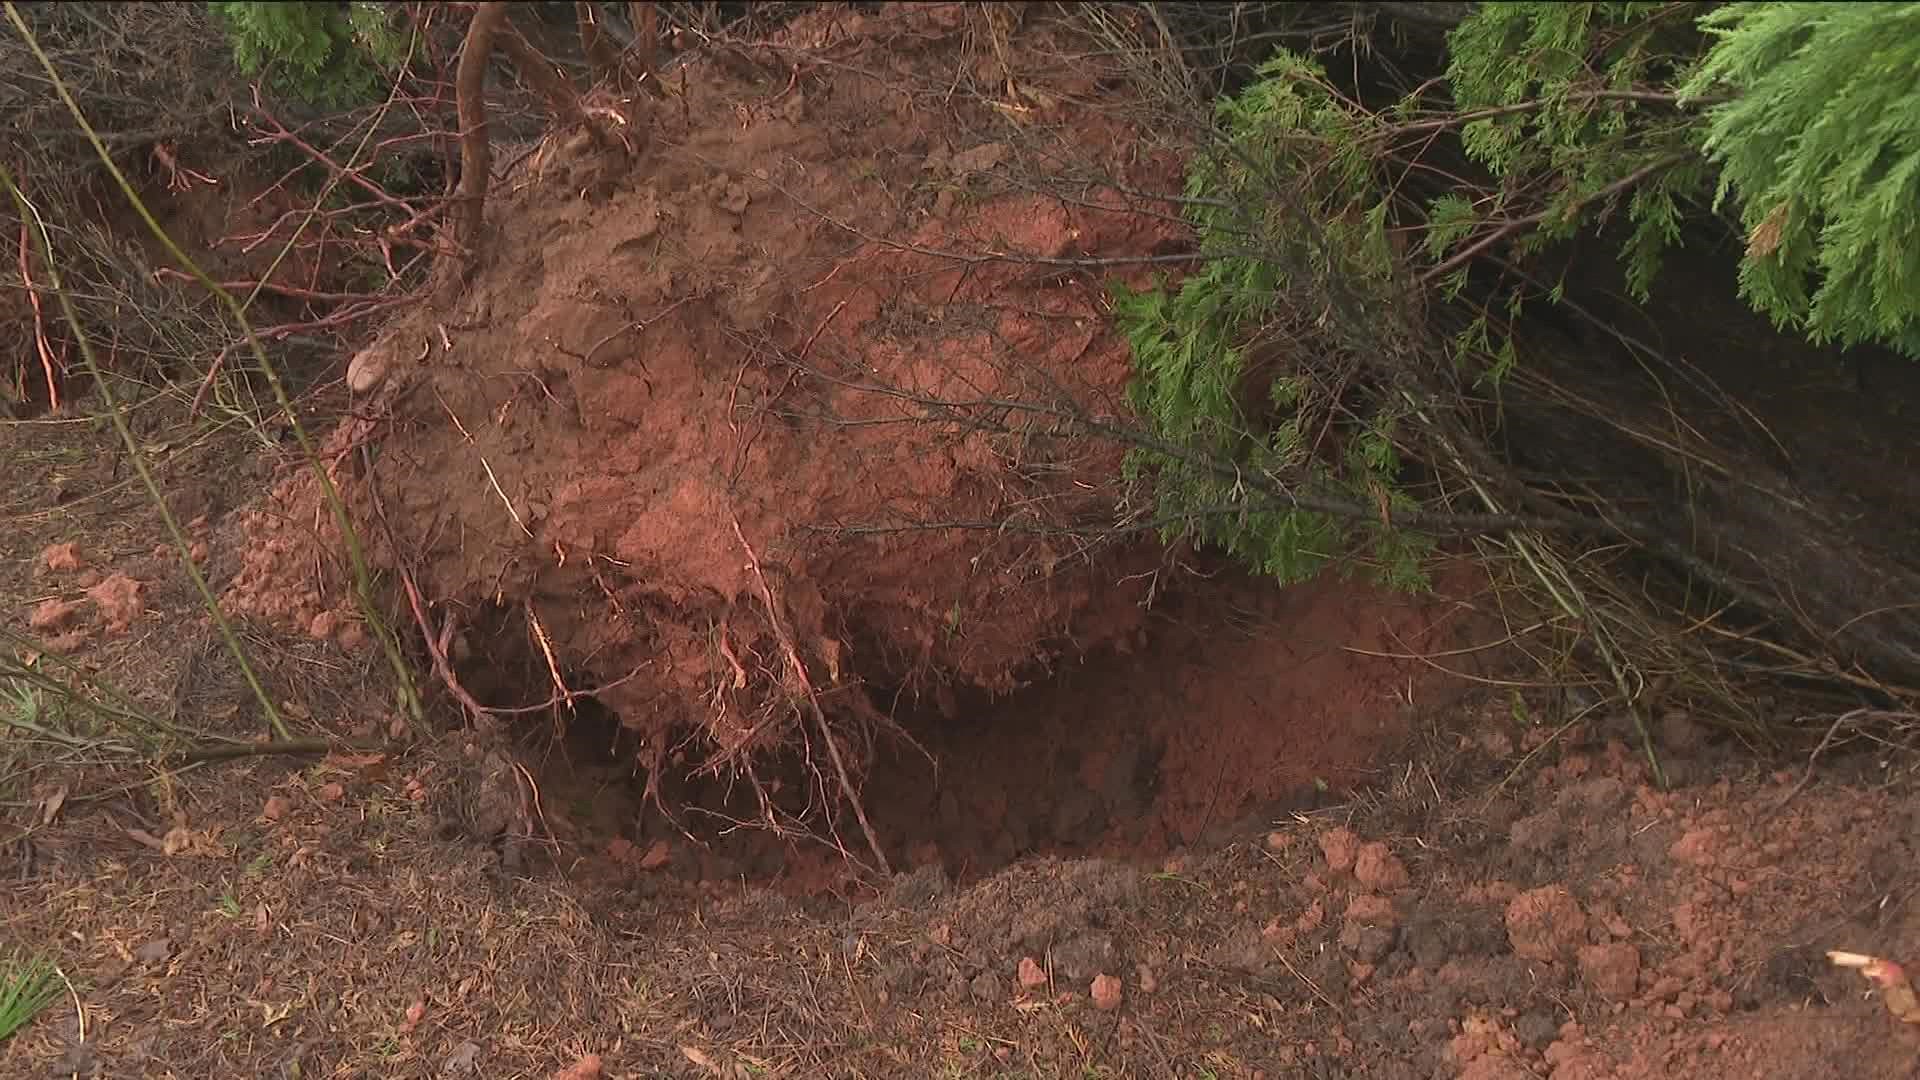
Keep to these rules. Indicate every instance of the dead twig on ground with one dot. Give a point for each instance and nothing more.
(291, 747)
(1851, 717)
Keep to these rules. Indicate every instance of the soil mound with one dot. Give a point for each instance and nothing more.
(689, 429)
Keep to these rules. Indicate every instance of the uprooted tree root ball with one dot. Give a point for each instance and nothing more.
(793, 406)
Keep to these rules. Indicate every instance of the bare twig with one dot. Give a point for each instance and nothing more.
(814, 710)
(296, 747)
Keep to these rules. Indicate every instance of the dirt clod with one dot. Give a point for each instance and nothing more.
(52, 614)
(587, 1068)
(1612, 970)
(61, 558)
(1376, 867)
(120, 599)
(1031, 974)
(1546, 924)
(1341, 848)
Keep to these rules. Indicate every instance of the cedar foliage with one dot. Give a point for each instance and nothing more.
(1819, 147)
(1639, 119)
(326, 54)
(1194, 345)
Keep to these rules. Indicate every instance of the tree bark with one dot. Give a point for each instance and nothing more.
(476, 149)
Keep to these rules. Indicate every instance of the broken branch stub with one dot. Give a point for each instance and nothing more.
(476, 152)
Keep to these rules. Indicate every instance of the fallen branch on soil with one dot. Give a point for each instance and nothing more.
(1855, 717)
(814, 710)
(295, 747)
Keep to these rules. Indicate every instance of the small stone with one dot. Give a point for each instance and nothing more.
(368, 369)
(1106, 992)
(1032, 975)
(276, 808)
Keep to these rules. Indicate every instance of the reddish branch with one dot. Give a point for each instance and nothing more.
(40, 345)
(1467, 254)
(293, 291)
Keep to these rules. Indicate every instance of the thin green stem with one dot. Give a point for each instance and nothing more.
(135, 454)
(409, 699)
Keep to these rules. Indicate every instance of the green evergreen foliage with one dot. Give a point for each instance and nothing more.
(328, 54)
(1571, 100)
(1191, 345)
(1804, 116)
(1820, 147)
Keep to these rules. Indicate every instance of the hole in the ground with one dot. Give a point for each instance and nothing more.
(1246, 701)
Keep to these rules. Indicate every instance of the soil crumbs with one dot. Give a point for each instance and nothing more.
(1507, 896)
(1507, 906)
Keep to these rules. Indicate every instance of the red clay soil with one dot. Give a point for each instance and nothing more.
(748, 346)
(1250, 701)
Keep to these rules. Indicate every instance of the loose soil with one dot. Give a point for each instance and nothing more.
(1506, 896)
(1500, 894)
(695, 413)
(1152, 818)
